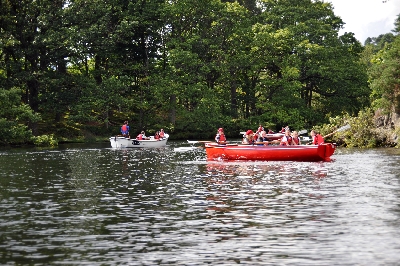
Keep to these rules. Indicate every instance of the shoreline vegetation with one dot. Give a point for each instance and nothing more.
(365, 131)
(73, 73)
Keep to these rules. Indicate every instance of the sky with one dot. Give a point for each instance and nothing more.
(366, 18)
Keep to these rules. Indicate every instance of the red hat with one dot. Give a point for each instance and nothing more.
(220, 129)
(248, 132)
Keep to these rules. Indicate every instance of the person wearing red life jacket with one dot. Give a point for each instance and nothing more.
(125, 129)
(157, 135)
(317, 139)
(162, 134)
(295, 138)
(248, 137)
(287, 139)
(260, 128)
(220, 137)
(141, 136)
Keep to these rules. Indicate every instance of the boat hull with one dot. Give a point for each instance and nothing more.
(122, 142)
(309, 153)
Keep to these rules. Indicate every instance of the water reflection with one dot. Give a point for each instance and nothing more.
(159, 206)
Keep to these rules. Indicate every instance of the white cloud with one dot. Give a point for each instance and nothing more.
(366, 18)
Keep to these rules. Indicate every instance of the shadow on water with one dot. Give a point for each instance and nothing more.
(88, 204)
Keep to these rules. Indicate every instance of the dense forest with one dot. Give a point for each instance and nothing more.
(76, 69)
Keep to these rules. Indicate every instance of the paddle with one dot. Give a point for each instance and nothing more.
(304, 131)
(343, 128)
(198, 141)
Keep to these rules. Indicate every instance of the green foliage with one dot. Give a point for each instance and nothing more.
(14, 118)
(45, 141)
(187, 66)
(385, 78)
(362, 132)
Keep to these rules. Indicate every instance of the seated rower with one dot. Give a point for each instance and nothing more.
(162, 134)
(263, 138)
(255, 136)
(142, 136)
(157, 136)
(295, 138)
(317, 139)
(220, 137)
(248, 137)
(287, 139)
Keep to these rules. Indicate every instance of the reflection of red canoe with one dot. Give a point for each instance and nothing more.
(307, 153)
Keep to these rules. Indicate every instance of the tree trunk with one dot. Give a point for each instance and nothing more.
(172, 115)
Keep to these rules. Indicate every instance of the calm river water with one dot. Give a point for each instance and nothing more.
(93, 205)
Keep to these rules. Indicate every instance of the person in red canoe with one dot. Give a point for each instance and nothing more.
(220, 137)
(317, 139)
(260, 128)
(295, 138)
(287, 139)
(263, 138)
(248, 137)
(284, 129)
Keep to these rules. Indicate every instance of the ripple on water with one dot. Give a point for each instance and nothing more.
(162, 206)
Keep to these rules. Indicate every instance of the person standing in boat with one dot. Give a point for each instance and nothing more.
(295, 138)
(220, 137)
(317, 139)
(248, 137)
(287, 139)
(125, 129)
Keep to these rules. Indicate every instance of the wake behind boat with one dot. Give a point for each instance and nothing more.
(307, 153)
(123, 142)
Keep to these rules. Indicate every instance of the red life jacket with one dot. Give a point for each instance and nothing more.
(318, 139)
(124, 128)
(162, 134)
(289, 140)
(139, 137)
(222, 138)
(296, 140)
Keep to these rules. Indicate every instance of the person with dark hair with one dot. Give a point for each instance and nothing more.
(125, 129)
(220, 137)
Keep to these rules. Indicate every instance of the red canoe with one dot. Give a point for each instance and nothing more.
(306, 153)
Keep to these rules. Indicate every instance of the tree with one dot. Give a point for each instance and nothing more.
(308, 70)
(396, 29)
(14, 118)
(385, 78)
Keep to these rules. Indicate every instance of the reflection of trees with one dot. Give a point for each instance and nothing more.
(255, 183)
(84, 176)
